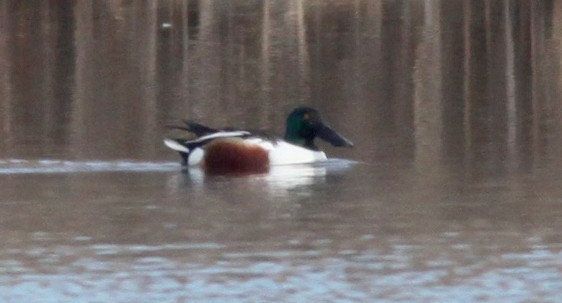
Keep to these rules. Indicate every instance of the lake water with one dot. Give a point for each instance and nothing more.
(452, 193)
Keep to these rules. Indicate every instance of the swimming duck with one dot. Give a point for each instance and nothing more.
(241, 151)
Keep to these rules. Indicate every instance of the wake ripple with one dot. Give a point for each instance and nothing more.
(21, 166)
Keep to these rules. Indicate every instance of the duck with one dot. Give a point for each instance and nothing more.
(232, 150)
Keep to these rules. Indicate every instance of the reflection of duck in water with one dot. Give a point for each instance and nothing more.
(233, 150)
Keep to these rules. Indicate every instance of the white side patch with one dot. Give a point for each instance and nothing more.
(175, 145)
(196, 157)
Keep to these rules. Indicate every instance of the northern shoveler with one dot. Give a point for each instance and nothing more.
(241, 151)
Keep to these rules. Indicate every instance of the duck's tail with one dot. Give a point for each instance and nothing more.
(194, 128)
(179, 146)
(176, 144)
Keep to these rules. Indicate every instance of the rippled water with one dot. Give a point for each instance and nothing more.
(21, 166)
(146, 232)
(452, 192)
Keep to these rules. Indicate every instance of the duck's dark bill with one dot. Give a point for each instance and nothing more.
(326, 133)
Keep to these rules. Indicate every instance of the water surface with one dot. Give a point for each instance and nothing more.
(452, 193)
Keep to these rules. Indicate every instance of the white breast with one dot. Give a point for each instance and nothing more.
(283, 153)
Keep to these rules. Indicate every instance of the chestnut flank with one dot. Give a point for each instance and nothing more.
(233, 156)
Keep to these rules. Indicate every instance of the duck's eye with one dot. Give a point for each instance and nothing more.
(306, 116)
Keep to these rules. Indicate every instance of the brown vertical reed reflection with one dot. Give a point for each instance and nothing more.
(5, 89)
(493, 61)
(30, 89)
(114, 95)
(474, 82)
(428, 120)
(251, 58)
(351, 72)
(546, 77)
(75, 81)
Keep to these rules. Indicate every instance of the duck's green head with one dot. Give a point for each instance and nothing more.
(305, 123)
